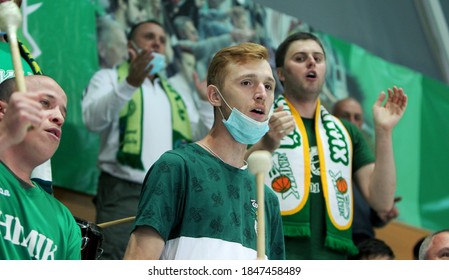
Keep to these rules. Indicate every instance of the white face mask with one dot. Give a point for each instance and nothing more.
(244, 129)
(158, 60)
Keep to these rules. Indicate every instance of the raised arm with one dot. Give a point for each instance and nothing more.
(281, 124)
(103, 99)
(105, 95)
(377, 181)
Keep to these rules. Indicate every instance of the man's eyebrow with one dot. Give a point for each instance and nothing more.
(271, 79)
(53, 98)
(442, 251)
(247, 76)
(305, 52)
(49, 96)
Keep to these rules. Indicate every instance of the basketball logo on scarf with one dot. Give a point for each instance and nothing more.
(281, 176)
(341, 192)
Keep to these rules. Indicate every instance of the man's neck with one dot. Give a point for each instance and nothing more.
(304, 105)
(225, 147)
(20, 170)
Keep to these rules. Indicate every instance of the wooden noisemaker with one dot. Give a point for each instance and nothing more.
(259, 163)
(10, 19)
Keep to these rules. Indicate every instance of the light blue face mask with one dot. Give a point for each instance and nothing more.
(244, 129)
(158, 60)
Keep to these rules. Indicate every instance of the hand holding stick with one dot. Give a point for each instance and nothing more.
(259, 163)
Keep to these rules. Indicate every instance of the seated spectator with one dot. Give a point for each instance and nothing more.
(435, 246)
(373, 249)
(416, 248)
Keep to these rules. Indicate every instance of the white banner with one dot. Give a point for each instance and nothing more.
(190, 270)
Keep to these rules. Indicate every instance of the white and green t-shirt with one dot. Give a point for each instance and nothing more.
(206, 209)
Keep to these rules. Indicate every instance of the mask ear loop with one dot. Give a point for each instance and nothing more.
(219, 109)
(221, 113)
(223, 98)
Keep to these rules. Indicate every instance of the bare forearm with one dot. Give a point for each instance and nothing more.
(144, 244)
(387, 111)
(383, 181)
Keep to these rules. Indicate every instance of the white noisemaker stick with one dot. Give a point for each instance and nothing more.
(259, 163)
(10, 19)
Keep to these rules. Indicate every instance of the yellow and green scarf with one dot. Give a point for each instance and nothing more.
(131, 122)
(290, 177)
(25, 53)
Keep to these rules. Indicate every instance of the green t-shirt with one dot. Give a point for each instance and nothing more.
(304, 248)
(206, 209)
(33, 224)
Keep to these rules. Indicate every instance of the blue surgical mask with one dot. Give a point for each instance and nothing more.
(158, 60)
(158, 63)
(244, 129)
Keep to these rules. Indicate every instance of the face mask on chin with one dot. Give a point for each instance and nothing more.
(243, 129)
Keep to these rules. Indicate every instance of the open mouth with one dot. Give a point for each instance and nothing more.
(56, 132)
(258, 114)
(311, 74)
(258, 111)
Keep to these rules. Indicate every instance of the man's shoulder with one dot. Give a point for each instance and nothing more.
(106, 71)
(350, 127)
(63, 210)
(271, 196)
(178, 154)
(346, 123)
(103, 76)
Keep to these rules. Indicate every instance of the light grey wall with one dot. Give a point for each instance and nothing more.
(390, 29)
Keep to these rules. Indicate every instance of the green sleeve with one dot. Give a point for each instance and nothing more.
(362, 154)
(275, 241)
(161, 200)
(74, 241)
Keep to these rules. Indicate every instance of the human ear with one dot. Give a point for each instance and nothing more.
(3, 106)
(280, 72)
(213, 95)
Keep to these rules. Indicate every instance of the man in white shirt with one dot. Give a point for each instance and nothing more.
(138, 116)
